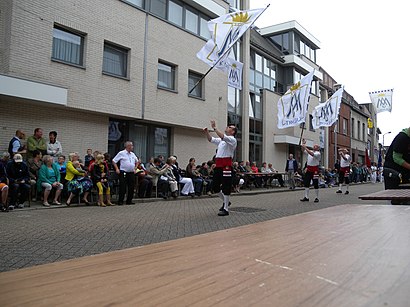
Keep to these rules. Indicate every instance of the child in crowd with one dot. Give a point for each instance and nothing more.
(88, 158)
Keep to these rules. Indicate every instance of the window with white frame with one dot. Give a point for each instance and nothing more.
(193, 79)
(68, 46)
(159, 8)
(166, 76)
(139, 3)
(115, 60)
(175, 13)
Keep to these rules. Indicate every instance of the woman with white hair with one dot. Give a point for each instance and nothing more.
(78, 182)
(188, 189)
(48, 179)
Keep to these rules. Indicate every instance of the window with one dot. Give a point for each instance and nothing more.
(363, 132)
(193, 78)
(345, 126)
(352, 132)
(139, 3)
(159, 8)
(115, 60)
(191, 21)
(358, 129)
(166, 76)
(175, 12)
(204, 32)
(68, 46)
(311, 123)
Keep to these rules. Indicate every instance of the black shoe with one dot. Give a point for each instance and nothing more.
(192, 195)
(130, 203)
(316, 200)
(222, 208)
(347, 192)
(223, 213)
(304, 199)
(339, 191)
(120, 203)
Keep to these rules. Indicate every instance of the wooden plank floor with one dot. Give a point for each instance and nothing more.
(351, 255)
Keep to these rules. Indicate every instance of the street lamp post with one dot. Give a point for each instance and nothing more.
(383, 141)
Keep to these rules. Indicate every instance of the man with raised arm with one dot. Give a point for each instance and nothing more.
(312, 170)
(222, 180)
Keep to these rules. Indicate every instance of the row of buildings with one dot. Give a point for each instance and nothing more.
(103, 74)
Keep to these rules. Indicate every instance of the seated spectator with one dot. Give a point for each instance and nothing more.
(91, 163)
(48, 179)
(19, 181)
(62, 167)
(54, 148)
(188, 189)
(159, 179)
(207, 172)
(238, 177)
(77, 181)
(99, 176)
(267, 180)
(4, 181)
(192, 172)
(88, 158)
(16, 144)
(258, 179)
(34, 165)
(144, 182)
(276, 176)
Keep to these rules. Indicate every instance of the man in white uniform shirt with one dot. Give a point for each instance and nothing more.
(222, 179)
(128, 163)
(312, 170)
(344, 172)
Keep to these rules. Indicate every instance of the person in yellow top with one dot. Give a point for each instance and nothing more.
(77, 180)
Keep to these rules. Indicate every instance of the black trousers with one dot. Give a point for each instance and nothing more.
(308, 177)
(222, 180)
(127, 182)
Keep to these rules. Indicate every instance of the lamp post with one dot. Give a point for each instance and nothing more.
(383, 141)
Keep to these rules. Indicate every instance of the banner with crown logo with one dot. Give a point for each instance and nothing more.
(293, 105)
(326, 114)
(382, 100)
(225, 31)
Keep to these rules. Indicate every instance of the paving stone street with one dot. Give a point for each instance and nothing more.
(39, 235)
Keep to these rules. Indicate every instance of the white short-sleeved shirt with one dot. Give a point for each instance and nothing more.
(345, 163)
(313, 160)
(226, 146)
(127, 160)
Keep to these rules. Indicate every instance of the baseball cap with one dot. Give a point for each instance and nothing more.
(18, 158)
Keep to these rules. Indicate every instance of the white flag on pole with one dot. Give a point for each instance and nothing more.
(293, 105)
(382, 100)
(225, 31)
(234, 73)
(326, 114)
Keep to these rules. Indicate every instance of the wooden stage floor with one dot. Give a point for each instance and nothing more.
(350, 255)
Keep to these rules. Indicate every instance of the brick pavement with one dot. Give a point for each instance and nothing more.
(39, 235)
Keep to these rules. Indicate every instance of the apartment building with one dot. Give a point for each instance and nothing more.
(103, 74)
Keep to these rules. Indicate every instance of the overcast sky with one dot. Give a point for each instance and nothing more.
(364, 46)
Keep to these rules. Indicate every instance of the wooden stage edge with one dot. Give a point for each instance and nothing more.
(349, 255)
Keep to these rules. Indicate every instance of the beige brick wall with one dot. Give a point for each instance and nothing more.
(122, 24)
(76, 130)
(191, 144)
(5, 34)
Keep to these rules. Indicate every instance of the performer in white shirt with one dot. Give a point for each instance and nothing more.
(344, 172)
(312, 171)
(222, 179)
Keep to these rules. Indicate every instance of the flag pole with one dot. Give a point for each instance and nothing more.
(225, 53)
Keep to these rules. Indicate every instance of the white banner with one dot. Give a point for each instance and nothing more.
(382, 100)
(293, 105)
(234, 73)
(326, 114)
(225, 31)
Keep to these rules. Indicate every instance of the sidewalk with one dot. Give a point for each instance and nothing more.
(36, 205)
